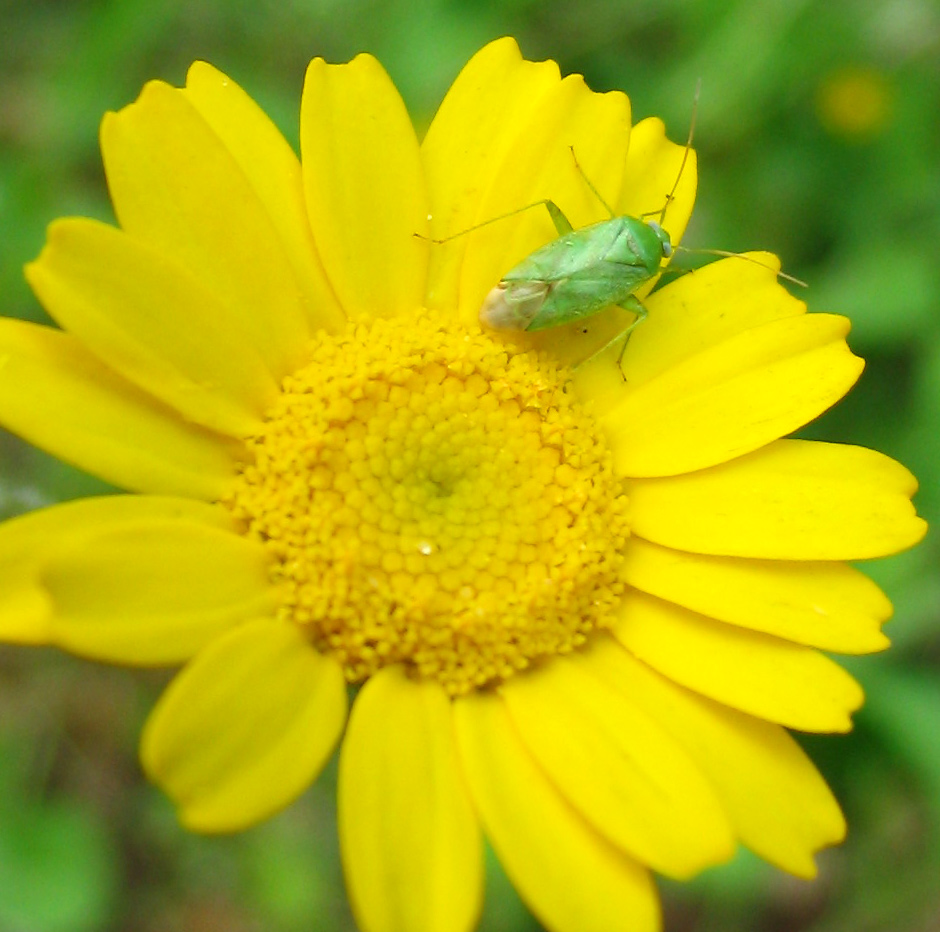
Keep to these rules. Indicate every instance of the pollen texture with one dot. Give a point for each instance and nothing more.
(430, 498)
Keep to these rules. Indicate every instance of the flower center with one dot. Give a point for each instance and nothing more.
(430, 498)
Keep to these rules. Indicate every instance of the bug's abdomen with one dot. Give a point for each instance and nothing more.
(581, 296)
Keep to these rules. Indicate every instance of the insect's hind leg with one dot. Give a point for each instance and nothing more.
(562, 223)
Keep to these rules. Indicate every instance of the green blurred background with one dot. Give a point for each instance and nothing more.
(819, 139)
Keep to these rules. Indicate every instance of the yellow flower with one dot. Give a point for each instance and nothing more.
(581, 604)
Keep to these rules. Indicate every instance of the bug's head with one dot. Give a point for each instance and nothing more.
(663, 237)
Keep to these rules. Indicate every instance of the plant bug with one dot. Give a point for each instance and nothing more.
(581, 273)
(584, 271)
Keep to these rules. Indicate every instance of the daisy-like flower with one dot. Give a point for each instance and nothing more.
(582, 601)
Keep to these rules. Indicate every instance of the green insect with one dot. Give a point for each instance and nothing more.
(584, 271)
(580, 273)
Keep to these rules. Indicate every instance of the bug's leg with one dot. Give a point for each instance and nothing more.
(635, 306)
(562, 223)
(590, 184)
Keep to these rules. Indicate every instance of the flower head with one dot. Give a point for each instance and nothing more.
(582, 597)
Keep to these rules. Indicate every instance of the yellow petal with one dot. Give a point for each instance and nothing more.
(571, 878)
(152, 322)
(733, 398)
(695, 312)
(153, 592)
(792, 500)
(500, 140)
(246, 727)
(481, 114)
(410, 841)
(496, 92)
(273, 171)
(779, 805)
(827, 605)
(532, 160)
(176, 186)
(29, 542)
(364, 187)
(62, 399)
(618, 768)
(762, 675)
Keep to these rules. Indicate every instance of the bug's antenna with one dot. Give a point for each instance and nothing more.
(675, 187)
(740, 255)
(685, 156)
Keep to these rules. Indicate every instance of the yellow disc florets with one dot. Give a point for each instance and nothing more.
(430, 498)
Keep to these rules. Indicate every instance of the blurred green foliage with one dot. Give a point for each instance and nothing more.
(818, 133)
